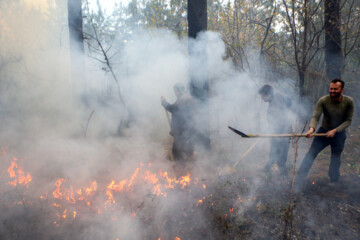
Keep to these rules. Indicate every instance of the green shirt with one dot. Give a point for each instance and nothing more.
(336, 114)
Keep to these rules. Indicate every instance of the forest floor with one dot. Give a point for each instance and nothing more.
(246, 204)
(321, 210)
(241, 204)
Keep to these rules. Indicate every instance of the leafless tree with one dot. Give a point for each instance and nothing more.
(305, 35)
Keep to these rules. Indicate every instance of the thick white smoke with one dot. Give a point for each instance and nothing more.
(44, 123)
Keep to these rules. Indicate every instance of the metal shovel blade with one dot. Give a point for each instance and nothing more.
(238, 132)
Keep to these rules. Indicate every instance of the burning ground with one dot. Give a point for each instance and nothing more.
(64, 176)
(148, 201)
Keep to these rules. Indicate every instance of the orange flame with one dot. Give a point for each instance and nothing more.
(11, 168)
(170, 181)
(22, 178)
(133, 177)
(114, 187)
(157, 191)
(65, 214)
(67, 193)
(151, 177)
(185, 180)
(57, 193)
(70, 196)
(91, 189)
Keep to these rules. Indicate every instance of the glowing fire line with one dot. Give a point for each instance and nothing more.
(65, 193)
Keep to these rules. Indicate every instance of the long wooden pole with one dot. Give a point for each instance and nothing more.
(284, 135)
(244, 135)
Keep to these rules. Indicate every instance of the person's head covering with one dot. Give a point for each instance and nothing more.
(266, 90)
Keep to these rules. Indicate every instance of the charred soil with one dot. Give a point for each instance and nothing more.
(238, 205)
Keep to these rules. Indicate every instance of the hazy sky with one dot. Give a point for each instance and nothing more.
(37, 3)
(107, 4)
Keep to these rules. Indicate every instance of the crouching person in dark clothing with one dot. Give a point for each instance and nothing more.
(337, 111)
(279, 119)
(181, 124)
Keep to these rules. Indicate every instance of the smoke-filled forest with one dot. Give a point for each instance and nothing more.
(179, 119)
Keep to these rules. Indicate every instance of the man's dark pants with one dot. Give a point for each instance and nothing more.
(337, 145)
(182, 145)
(279, 148)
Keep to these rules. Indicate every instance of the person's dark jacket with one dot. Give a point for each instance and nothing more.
(279, 114)
(181, 112)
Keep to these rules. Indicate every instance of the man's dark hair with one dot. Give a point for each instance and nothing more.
(266, 90)
(336, 80)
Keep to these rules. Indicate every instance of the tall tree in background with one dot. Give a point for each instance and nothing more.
(305, 34)
(75, 25)
(199, 85)
(197, 22)
(76, 44)
(197, 17)
(333, 53)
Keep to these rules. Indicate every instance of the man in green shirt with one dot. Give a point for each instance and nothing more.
(337, 110)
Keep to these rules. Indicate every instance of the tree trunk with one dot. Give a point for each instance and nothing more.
(75, 25)
(197, 17)
(197, 22)
(199, 88)
(77, 47)
(333, 54)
